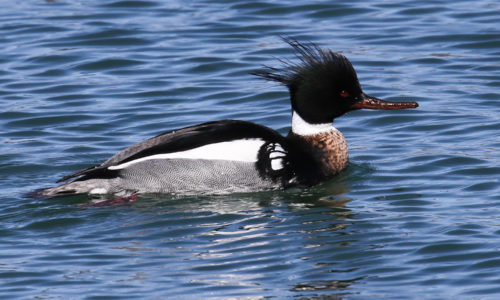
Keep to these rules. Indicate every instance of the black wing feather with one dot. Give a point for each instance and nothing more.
(181, 140)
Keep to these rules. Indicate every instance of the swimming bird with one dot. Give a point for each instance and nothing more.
(229, 156)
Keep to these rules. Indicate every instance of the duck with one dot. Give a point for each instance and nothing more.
(235, 156)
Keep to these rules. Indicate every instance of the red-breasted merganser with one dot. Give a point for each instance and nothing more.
(238, 156)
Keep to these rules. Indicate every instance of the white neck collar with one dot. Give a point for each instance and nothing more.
(301, 127)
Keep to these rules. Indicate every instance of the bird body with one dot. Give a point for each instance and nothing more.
(238, 156)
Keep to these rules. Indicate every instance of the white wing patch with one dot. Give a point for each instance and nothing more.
(245, 150)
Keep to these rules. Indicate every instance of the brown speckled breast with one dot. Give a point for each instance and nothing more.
(328, 150)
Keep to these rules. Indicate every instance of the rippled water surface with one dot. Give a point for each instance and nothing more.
(416, 215)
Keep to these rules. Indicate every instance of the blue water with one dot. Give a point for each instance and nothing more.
(415, 216)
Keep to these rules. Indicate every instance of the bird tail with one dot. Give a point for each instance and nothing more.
(91, 186)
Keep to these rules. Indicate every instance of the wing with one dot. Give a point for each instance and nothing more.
(181, 140)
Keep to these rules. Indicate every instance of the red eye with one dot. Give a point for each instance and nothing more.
(344, 94)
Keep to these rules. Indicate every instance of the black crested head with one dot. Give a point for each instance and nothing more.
(323, 84)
